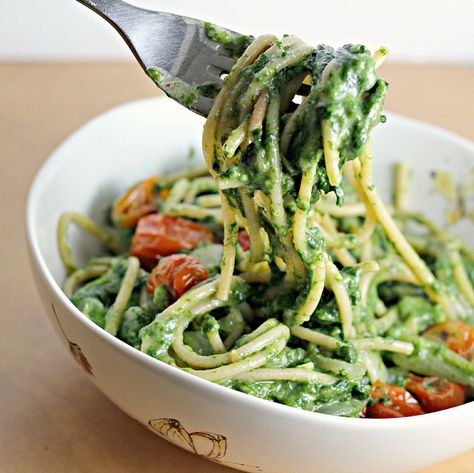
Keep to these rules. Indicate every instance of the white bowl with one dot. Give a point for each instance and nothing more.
(143, 138)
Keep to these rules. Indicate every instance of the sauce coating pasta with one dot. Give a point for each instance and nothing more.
(278, 270)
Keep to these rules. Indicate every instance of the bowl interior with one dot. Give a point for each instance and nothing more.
(100, 161)
(153, 136)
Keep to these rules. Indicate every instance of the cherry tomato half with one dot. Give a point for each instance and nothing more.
(457, 336)
(243, 239)
(391, 401)
(178, 273)
(136, 203)
(435, 394)
(162, 235)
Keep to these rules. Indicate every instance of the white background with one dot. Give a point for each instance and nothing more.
(414, 30)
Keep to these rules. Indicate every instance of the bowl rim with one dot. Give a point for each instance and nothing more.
(55, 160)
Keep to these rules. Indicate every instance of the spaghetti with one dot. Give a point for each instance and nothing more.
(279, 271)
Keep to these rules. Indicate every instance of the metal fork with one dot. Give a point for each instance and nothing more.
(175, 51)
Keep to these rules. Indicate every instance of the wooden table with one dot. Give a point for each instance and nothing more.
(52, 418)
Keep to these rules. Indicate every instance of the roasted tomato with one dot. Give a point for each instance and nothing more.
(178, 273)
(391, 401)
(435, 394)
(137, 202)
(244, 240)
(162, 235)
(457, 336)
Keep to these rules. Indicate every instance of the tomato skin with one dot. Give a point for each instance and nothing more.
(162, 235)
(400, 402)
(457, 336)
(243, 239)
(136, 203)
(178, 273)
(435, 394)
(382, 411)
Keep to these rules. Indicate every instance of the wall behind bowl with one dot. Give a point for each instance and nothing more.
(413, 30)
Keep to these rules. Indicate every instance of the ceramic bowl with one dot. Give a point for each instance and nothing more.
(152, 136)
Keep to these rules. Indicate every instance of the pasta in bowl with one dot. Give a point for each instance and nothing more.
(275, 326)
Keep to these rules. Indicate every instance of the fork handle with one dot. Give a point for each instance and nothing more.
(126, 19)
(111, 10)
(181, 40)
